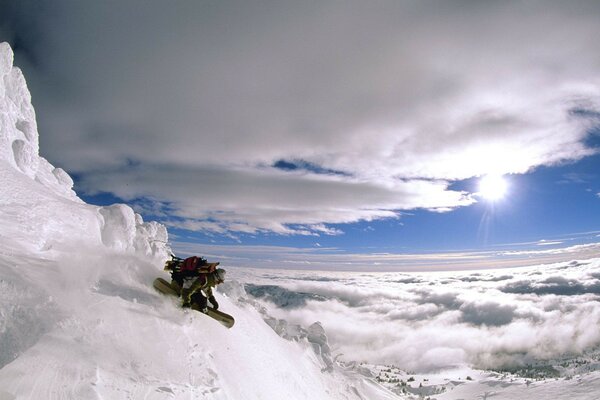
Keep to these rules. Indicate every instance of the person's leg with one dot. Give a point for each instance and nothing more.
(199, 299)
(176, 287)
(177, 282)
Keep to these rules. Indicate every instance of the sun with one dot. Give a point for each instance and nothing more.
(492, 187)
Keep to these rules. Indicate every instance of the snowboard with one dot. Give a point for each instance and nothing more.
(165, 287)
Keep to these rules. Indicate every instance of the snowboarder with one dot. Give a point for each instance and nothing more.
(200, 290)
(193, 279)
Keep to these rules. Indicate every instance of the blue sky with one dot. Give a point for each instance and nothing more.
(325, 128)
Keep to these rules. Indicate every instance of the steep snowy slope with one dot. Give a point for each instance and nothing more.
(79, 318)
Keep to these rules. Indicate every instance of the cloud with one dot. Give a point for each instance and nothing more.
(576, 178)
(422, 326)
(281, 297)
(245, 200)
(488, 313)
(446, 300)
(478, 278)
(336, 259)
(554, 285)
(569, 250)
(549, 243)
(388, 103)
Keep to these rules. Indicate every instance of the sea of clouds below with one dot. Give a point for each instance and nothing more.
(433, 321)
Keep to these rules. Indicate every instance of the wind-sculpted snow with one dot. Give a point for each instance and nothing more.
(57, 217)
(122, 229)
(19, 139)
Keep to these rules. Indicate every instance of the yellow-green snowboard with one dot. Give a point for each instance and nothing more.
(165, 287)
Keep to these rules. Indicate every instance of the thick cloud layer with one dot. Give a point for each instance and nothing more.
(438, 320)
(376, 106)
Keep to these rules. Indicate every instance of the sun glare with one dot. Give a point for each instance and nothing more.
(492, 187)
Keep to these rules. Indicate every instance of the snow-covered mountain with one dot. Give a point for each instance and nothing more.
(79, 318)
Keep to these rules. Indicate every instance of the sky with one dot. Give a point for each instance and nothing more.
(343, 134)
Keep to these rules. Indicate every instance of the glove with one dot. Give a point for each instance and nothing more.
(213, 301)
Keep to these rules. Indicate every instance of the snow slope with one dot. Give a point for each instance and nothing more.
(79, 318)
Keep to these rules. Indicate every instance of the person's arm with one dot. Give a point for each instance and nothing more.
(213, 301)
(198, 284)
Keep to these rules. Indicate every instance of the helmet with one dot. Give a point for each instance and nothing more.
(220, 274)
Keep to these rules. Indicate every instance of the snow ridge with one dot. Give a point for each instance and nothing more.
(19, 139)
(116, 227)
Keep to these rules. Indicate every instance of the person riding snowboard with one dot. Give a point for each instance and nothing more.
(201, 290)
(192, 276)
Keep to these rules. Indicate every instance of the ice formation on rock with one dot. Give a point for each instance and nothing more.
(51, 191)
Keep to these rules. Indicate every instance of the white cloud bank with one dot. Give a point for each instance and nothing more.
(193, 104)
(425, 322)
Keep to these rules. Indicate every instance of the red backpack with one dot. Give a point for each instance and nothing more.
(197, 264)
